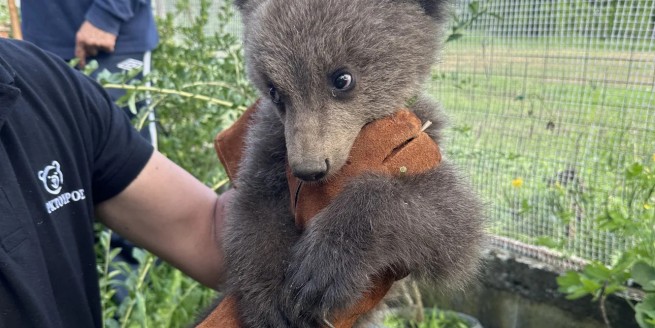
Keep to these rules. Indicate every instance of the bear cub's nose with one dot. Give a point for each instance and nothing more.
(311, 171)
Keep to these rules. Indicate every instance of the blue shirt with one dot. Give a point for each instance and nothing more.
(52, 24)
(64, 147)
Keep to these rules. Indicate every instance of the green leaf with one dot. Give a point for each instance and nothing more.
(634, 170)
(113, 253)
(568, 279)
(624, 262)
(615, 218)
(111, 323)
(474, 7)
(613, 288)
(576, 294)
(645, 312)
(73, 62)
(131, 103)
(141, 307)
(454, 36)
(140, 255)
(90, 67)
(597, 271)
(644, 274)
(590, 285)
(570, 284)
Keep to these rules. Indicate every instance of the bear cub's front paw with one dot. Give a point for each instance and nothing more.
(321, 281)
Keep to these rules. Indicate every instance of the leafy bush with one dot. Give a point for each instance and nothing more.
(159, 295)
(188, 59)
(197, 88)
(434, 318)
(630, 214)
(5, 21)
(4, 14)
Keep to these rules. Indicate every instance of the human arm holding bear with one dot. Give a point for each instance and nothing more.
(54, 116)
(172, 214)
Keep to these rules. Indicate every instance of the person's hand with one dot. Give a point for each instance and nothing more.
(90, 40)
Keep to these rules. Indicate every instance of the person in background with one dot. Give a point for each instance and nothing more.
(118, 34)
(68, 155)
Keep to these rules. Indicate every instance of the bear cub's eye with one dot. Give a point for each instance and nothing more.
(275, 96)
(343, 81)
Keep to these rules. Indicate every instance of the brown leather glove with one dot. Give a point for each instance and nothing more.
(394, 146)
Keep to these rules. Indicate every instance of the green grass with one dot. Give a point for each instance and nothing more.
(530, 108)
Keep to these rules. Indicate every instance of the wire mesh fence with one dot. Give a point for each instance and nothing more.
(550, 101)
(183, 10)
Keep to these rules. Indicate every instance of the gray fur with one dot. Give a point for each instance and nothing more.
(429, 225)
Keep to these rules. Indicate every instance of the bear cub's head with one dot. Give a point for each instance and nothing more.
(328, 67)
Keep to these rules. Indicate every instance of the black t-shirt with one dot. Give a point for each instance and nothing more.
(63, 148)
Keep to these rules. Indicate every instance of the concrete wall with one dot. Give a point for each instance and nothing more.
(515, 292)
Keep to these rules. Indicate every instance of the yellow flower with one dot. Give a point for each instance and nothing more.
(647, 206)
(517, 183)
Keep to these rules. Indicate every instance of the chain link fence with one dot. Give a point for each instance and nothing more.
(550, 101)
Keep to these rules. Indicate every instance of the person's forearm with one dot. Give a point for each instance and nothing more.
(173, 215)
(204, 259)
(199, 253)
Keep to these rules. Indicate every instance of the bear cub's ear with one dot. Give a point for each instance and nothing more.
(240, 3)
(246, 6)
(438, 9)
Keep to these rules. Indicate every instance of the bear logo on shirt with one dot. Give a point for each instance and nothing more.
(52, 178)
